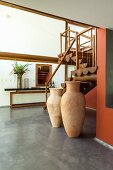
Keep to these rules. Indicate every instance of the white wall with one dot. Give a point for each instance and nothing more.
(28, 33)
(10, 81)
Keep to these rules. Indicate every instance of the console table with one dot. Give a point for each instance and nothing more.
(17, 91)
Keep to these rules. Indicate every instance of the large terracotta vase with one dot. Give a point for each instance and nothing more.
(73, 109)
(53, 106)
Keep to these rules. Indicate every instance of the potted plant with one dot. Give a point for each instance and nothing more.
(19, 69)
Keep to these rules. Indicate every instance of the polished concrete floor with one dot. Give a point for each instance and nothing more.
(28, 142)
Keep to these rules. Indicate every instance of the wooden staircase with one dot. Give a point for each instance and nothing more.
(71, 57)
(80, 53)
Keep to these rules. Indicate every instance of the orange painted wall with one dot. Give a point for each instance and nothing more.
(91, 98)
(104, 117)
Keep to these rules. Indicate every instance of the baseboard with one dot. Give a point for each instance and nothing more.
(28, 104)
(90, 108)
(103, 143)
(25, 105)
(4, 106)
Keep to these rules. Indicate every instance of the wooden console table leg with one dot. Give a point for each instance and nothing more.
(11, 96)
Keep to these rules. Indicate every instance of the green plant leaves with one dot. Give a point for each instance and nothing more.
(19, 69)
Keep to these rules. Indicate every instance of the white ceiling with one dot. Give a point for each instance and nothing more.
(93, 12)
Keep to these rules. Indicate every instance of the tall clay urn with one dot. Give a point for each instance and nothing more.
(73, 109)
(53, 106)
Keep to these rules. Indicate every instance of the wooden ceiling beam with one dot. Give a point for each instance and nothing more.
(30, 58)
(27, 57)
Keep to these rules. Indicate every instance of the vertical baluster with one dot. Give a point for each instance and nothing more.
(77, 61)
(61, 44)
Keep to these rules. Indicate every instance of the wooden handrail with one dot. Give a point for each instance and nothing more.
(67, 31)
(59, 65)
(85, 36)
(85, 43)
(72, 31)
(61, 60)
(88, 50)
(67, 36)
(86, 30)
(64, 32)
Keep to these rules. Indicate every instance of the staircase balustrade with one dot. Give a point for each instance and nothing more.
(79, 52)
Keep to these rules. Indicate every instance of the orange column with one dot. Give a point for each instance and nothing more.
(104, 117)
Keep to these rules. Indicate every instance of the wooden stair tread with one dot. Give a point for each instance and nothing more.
(74, 53)
(71, 56)
(92, 77)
